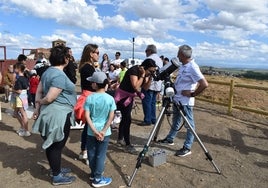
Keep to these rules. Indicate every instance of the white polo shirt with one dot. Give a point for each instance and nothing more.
(187, 79)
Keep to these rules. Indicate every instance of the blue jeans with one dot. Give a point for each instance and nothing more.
(176, 122)
(149, 106)
(96, 152)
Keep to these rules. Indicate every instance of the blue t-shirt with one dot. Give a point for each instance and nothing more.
(99, 105)
(54, 77)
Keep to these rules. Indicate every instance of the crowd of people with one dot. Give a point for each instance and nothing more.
(106, 87)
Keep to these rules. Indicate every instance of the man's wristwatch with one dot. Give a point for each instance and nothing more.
(192, 94)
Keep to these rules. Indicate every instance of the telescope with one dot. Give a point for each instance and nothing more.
(166, 70)
(164, 74)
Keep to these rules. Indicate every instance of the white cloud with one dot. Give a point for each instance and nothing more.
(246, 15)
(73, 12)
(160, 9)
(237, 6)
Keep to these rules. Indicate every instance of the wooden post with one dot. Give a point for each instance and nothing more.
(231, 97)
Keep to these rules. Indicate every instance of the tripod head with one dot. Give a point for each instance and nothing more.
(164, 75)
(169, 90)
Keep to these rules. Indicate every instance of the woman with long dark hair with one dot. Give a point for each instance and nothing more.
(89, 56)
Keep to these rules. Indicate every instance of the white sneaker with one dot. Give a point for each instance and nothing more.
(27, 133)
(103, 181)
(83, 155)
(20, 130)
(24, 133)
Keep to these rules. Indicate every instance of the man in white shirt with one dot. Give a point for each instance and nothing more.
(149, 101)
(189, 83)
(117, 60)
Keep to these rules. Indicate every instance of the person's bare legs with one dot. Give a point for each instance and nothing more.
(17, 115)
(24, 119)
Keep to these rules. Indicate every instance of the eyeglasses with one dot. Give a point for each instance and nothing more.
(98, 53)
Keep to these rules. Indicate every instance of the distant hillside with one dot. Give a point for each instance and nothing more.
(256, 75)
(240, 73)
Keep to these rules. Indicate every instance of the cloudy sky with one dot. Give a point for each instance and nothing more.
(222, 33)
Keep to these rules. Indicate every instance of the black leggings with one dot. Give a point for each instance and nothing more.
(124, 126)
(54, 151)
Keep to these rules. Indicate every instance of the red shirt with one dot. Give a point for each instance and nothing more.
(34, 81)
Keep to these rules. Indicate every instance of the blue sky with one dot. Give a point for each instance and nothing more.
(222, 33)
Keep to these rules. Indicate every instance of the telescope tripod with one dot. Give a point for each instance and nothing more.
(155, 131)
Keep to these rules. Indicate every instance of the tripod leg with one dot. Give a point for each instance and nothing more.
(209, 157)
(159, 122)
(166, 103)
(146, 146)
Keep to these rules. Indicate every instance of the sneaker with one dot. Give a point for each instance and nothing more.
(27, 133)
(20, 130)
(131, 149)
(183, 152)
(120, 142)
(83, 155)
(61, 179)
(166, 141)
(24, 133)
(64, 171)
(103, 181)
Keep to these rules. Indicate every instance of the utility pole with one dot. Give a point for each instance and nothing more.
(133, 42)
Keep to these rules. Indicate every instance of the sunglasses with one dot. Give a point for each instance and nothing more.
(96, 53)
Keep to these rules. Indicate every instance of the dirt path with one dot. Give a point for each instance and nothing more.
(239, 147)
